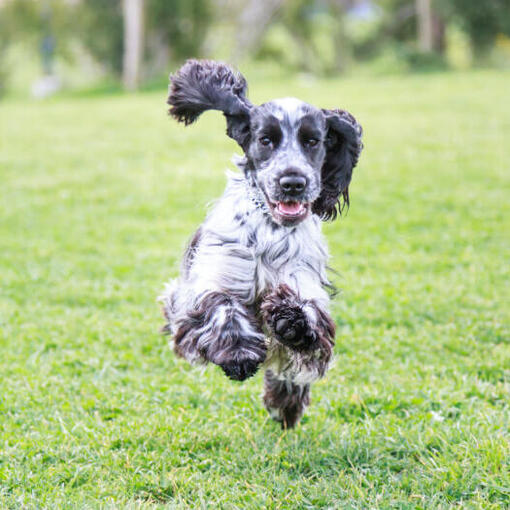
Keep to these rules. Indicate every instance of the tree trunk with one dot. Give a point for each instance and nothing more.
(132, 11)
(424, 21)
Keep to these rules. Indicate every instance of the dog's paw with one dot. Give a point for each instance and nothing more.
(285, 317)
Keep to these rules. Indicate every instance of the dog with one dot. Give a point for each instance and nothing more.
(253, 289)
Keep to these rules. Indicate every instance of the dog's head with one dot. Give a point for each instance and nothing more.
(300, 157)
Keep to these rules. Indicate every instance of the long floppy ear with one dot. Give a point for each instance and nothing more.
(343, 147)
(201, 85)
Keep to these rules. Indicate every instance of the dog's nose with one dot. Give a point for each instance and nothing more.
(292, 184)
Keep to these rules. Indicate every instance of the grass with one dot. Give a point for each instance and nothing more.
(98, 197)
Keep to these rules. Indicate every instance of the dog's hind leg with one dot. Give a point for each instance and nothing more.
(284, 400)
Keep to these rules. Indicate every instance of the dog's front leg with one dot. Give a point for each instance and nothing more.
(304, 334)
(209, 309)
(300, 324)
(220, 330)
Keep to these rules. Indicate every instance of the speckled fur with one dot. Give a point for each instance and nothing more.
(253, 291)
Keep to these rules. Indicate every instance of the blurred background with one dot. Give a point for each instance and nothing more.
(52, 45)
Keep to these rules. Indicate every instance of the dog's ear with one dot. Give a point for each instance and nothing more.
(201, 85)
(343, 147)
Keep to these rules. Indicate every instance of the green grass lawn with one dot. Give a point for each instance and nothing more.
(98, 197)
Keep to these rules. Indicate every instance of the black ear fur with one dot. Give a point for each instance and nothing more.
(343, 147)
(201, 85)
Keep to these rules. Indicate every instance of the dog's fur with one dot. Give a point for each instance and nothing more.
(253, 288)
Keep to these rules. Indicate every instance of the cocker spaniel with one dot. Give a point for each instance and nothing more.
(253, 288)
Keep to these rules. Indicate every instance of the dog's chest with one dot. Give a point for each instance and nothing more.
(282, 253)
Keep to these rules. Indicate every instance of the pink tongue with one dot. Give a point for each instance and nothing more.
(289, 207)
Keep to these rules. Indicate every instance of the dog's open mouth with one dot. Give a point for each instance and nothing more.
(290, 212)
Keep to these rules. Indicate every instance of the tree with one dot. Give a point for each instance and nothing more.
(431, 28)
(482, 21)
(424, 16)
(133, 17)
(101, 32)
(179, 25)
(162, 28)
(37, 25)
(253, 22)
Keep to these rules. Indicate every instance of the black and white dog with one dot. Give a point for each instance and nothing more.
(253, 288)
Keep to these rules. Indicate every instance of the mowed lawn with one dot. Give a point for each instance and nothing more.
(98, 196)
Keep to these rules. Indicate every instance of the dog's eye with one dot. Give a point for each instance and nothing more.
(265, 141)
(311, 142)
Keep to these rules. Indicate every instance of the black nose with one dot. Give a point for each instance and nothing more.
(292, 184)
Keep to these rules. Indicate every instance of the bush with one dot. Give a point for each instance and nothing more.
(417, 60)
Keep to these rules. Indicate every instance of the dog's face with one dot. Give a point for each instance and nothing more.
(300, 157)
(286, 153)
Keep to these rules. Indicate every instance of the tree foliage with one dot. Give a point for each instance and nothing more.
(318, 36)
(312, 36)
(101, 31)
(482, 21)
(28, 22)
(181, 24)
